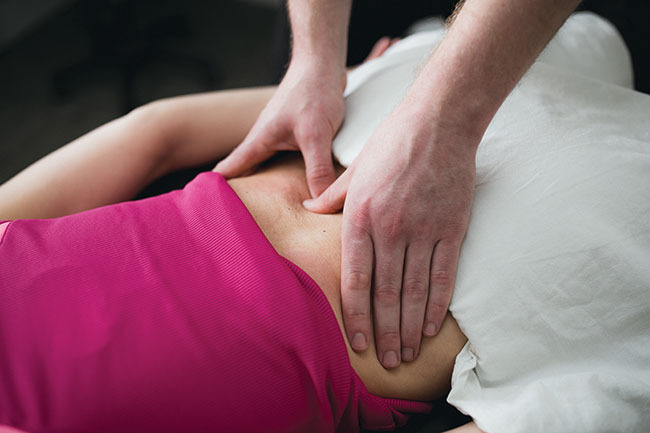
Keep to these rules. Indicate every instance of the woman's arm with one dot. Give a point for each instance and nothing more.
(115, 161)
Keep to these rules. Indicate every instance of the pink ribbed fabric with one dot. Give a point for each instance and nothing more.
(171, 314)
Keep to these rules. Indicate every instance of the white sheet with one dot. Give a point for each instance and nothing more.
(586, 45)
(553, 285)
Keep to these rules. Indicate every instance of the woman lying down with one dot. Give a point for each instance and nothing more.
(217, 307)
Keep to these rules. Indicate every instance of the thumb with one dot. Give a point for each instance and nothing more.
(333, 198)
(319, 168)
(245, 156)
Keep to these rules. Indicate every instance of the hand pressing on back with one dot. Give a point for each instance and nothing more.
(303, 115)
(407, 201)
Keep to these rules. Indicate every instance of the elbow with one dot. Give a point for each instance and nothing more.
(154, 129)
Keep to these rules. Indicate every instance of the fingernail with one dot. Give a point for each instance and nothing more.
(407, 354)
(359, 341)
(308, 204)
(430, 330)
(390, 359)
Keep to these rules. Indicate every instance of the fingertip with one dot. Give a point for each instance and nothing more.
(359, 342)
(219, 168)
(222, 169)
(430, 329)
(329, 201)
(228, 167)
(312, 205)
(244, 158)
(390, 359)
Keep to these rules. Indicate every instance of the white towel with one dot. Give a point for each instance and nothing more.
(553, 284)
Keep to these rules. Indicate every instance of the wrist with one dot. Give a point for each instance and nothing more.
(316, 69)
(435, 130)
(328, 58)
(319, 31)
(464, 118)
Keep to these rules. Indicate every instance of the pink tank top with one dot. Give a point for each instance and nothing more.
(171, 314)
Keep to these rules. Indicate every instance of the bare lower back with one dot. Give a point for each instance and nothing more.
(273, 196)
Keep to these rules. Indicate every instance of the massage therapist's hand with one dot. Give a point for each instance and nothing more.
(303, 114)
(406, 212)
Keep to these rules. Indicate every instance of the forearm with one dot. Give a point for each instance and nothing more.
(490, 45)
(319, 34)
(207, 127)
(104, 166)
(114, 162)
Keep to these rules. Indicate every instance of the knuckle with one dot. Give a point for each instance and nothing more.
(310, 132)
(416, 290)
(435, 310)
(356, 314)
(387, 295)
(392, 229)
(358, 214)
(455, 229)
(442, 279)
(357, 281)
(355, 230)
(320, 171)
(423, 232)
(389, 337)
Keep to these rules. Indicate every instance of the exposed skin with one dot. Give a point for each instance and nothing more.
(307, 109)
(408, 196)
(113, 162)
(158, 138)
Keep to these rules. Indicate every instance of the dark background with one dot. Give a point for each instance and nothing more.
(68, 66)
